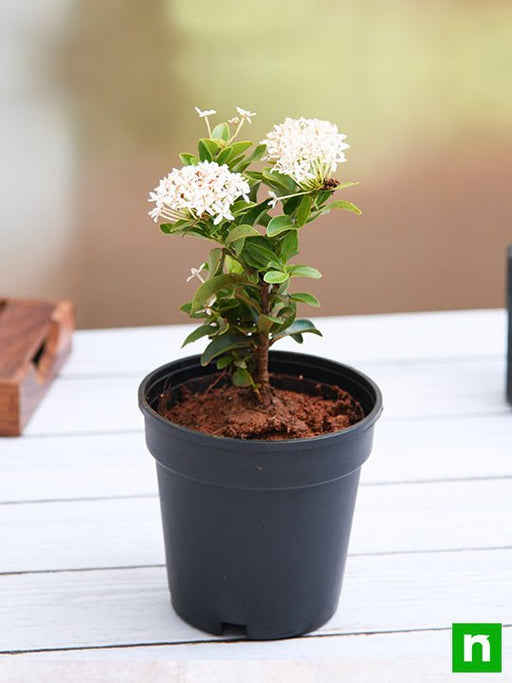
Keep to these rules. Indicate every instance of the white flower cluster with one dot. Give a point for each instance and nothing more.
(308, 150)
(192, 191)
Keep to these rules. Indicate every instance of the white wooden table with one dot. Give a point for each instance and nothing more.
(81, 551)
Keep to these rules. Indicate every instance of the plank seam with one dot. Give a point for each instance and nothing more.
(227, 641)
(135, 496)
(83, 499)
(379, 362)
(384, 553)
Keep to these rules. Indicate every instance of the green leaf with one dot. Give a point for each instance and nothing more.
(224, 362)
(229, 305)
(275, 277)
(280, 180)
(204, 152)
(240, 232)
(254, 175)
(232, 265)
(240, 206)
(207, 149)
(238, 246)
(342, 204)
(304, 271)
(253, 193)
(259, 251)
(222, 344)
(323, 196)
(224, 156)
(257, 153)
(201, 331)
(189, 159)
(214, 260)
(265, 219)
(239, 148)
(186, 308)
(316, 214)
(221, 132)
(341, 186)
(205, 291)
(196, 232)
(290, 245)
(298, 327)
(238, 165)
(265, 322)
(249, 301)
(231, 153)
(305, 298)
(304, 210)
(280, 224)
(290, 205)
(222, 325)
(298, 338)
(254, 214)
(176, 227)
(242, 378)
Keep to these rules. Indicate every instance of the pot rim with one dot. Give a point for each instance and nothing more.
(184, 432)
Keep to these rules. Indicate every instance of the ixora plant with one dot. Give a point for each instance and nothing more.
(256, 518)
(254, 217)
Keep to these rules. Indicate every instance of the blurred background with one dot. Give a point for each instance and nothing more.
(97, 99)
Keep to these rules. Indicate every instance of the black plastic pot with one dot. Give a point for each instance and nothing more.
(256, 532)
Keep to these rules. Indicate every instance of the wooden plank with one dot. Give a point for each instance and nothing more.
(435, 389)
(424, 450)
(81, 534)
(350, 339)
(384, 647)
(127, 532)
(250, 671)
(23, 326)
(35, 340)
(131, 607)
(433, 516)
(119, 465)
(416, 656)
(19, 670)
(67, 467)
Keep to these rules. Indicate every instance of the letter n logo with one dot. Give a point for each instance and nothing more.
(476, 647)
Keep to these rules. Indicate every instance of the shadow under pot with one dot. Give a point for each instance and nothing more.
(256, 532)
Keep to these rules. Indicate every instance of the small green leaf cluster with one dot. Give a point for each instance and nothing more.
(243, 303)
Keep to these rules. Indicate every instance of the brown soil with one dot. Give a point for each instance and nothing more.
(298, 408)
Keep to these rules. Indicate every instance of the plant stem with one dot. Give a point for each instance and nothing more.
(262, 374)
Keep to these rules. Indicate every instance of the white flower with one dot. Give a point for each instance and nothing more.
(244, 114)
(192, 191)
(196, 272)
(273, 199)
(206, 112)
(308, 150)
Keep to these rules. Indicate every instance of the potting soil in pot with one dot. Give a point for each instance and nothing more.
(298, 408)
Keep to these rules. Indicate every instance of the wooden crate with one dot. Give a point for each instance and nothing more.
(35, 340)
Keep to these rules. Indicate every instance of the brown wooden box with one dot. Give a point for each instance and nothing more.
(35, 340)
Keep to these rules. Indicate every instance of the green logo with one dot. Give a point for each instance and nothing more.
(476, 647)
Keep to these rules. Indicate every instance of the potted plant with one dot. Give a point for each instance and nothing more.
(258, 452)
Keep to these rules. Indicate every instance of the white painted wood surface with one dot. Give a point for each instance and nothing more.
(81, 557)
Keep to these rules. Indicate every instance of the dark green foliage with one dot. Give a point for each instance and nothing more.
(243, 302)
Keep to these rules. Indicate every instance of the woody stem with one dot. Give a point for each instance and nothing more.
(262, 373)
